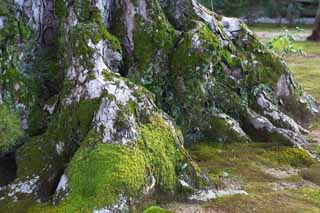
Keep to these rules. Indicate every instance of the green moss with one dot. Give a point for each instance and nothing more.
(114, 41)
(161, 152)
(312, 174)
(16, 207)
(156, 209)
(201, 83)
(10, 129)
(97, 175)
(310, 195)
(61, 9)
(246, 161)
(85, 113)
(153, 41)
(99, 172)
(295, 201)
(246, 165)
(224, 131)
(289, 156)
(37, 121)
(67, 129)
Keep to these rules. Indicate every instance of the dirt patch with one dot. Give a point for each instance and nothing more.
(315, 135)
(292, 185)
(192, 208)
(281, 174)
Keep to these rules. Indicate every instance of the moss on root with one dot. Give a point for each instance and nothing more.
(99, 173)
(202, 87)
(156, 209)
(153, 39)
(10, 129)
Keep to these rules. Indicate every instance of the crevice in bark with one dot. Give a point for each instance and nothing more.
(48, 187)
(8, 169)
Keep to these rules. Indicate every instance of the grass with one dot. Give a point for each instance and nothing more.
(312, 174)
(302, 200)
(266, 32)
(306, 68)
(275, 28)
(247, 164)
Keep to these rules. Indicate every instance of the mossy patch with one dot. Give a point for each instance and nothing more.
(201, 85)
(99, 173)
(302, 200)
(156, 209)
(312, 174)
(10, 129)
(247, 163)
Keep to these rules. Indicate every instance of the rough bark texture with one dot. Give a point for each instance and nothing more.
(107, 90)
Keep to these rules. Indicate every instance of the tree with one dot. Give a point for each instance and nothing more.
(111, 90)
(315, 36)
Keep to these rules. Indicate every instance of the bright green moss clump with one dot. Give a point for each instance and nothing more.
(156, 209)
(10, 129)
(99, 173)
(158, 143)
(289, 156)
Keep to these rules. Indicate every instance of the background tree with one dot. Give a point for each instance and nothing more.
(315, 36)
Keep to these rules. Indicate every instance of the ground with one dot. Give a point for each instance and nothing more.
(277, 178)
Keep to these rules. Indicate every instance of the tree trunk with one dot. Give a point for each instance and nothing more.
(108, 91)
(315, 36)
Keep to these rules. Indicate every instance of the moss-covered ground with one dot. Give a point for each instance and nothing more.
(277, 178)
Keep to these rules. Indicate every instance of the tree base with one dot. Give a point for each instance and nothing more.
(315, 36)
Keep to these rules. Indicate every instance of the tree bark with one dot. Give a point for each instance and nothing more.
(138, 77)
(315, 36)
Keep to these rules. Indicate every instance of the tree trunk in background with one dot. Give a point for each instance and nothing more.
(315, 36)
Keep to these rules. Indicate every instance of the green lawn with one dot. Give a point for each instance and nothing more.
(248, 164)
(306, 68)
